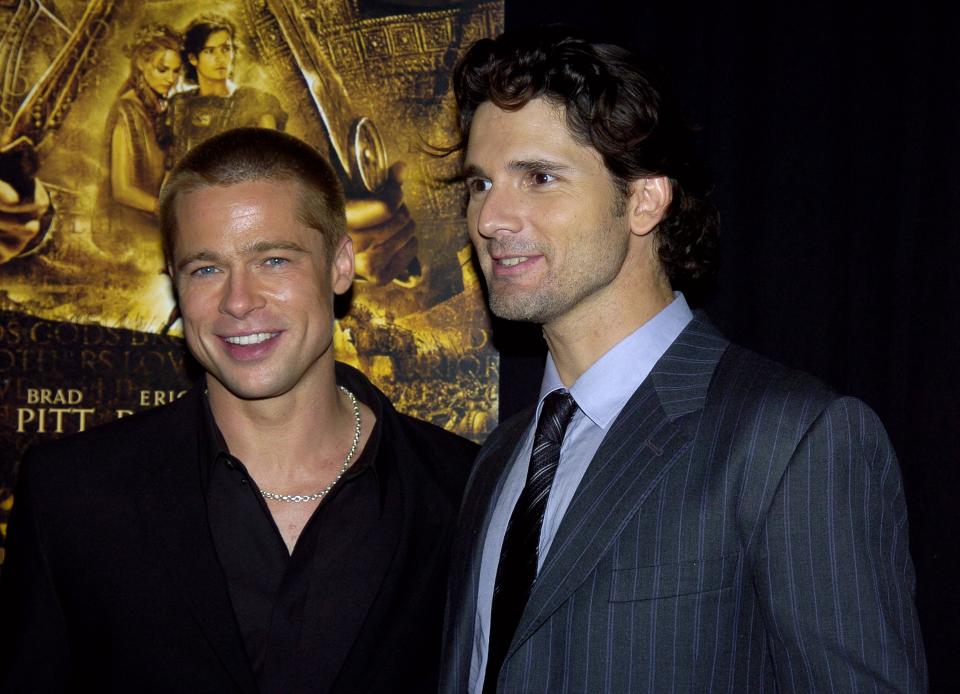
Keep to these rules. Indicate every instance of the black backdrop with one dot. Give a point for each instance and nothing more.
(833, 134)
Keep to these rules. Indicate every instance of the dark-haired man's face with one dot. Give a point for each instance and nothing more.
(542, 214)
(214, 62)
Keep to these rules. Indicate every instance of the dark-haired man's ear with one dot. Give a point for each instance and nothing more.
(649, 199)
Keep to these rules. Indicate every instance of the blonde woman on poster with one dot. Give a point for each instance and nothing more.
(136, 138)
(137, 145)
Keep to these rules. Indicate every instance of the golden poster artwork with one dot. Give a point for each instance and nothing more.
(100, 98)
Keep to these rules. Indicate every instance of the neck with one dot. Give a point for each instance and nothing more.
(150, 99)
(581, 337)
(212, 87)
(296, 430)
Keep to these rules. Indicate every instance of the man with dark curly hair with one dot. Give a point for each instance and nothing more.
(675, 513)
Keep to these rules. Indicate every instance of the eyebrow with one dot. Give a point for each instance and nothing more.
(200, 256)
(252, 249)
(518, 165)
(262, 246)
(537, 166)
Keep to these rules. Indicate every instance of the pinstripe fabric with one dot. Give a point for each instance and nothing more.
(751, 541)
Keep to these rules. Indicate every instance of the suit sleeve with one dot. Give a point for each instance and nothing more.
(835, 579)
(34, 654)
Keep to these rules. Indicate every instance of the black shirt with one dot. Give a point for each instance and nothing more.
(113, 583)
(304, 617)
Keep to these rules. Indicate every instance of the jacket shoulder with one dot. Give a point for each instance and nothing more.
(438, 440)
(445, 456)
(751, 376)
(115, 443)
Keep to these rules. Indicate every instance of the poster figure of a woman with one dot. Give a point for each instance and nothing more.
(137, 144)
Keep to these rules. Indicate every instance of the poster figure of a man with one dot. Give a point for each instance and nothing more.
(213, 102)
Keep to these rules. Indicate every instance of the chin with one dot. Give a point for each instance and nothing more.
(513, 313)
(528, 309)
(254, 393)
(247, 390)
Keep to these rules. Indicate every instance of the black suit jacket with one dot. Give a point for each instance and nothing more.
(740, 529)
(111, 581)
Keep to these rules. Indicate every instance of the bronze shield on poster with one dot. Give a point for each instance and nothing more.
(97, 103)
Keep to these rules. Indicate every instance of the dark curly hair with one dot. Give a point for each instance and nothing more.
(615, 102)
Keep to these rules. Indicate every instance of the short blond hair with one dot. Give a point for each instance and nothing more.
(259, 154)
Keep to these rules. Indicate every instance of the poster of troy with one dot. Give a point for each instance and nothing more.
(100, 98)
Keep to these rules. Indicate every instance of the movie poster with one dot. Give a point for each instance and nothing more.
(99, 99)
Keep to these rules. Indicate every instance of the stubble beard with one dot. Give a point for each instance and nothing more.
(560, 292)
(538, 306)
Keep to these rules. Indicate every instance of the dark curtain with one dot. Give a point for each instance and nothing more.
(832, 133)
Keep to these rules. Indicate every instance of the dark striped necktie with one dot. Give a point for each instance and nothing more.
(517, 569)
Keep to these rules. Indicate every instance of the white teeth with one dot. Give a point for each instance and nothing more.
(254, 339)
(510, 262)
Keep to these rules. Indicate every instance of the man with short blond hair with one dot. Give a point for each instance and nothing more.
(281, 528)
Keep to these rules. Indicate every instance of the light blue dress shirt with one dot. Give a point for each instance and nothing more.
(600, 392)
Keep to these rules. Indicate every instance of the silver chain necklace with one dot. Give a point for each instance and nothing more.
(302, 498)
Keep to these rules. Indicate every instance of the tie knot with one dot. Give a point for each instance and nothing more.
(555, 416)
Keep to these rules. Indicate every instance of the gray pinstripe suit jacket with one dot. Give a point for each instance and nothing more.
(740, 529)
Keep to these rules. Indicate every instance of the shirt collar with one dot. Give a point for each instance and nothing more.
(186, 87)
(214, 444)
(602, 390)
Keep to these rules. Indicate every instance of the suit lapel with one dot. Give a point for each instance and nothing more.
(647, 438)
(175, 523)
(485, 482)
